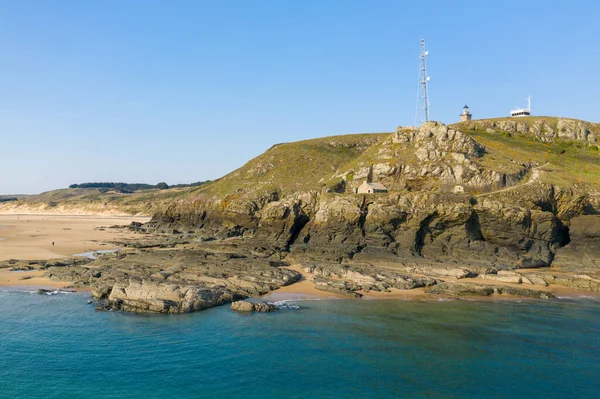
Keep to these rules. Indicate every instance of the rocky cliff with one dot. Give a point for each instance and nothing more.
(492, 203)
(465, 199)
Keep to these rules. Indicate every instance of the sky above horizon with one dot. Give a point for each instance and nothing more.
(147, 91)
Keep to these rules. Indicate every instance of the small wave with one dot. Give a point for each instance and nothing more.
(54, 292)
(578, 296)
(286, 304)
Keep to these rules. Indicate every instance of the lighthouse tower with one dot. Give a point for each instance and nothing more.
(466, 115)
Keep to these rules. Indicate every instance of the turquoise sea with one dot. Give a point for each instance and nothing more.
(59, 347)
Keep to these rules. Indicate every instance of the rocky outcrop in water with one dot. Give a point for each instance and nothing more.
(244, 306)
(175, 281)
(474, 290)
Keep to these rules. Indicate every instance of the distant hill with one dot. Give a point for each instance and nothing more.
(94, 201)
(98, 198)
(9, 198)
(132, 187)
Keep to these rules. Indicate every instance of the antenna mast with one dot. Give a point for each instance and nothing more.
(422, 112)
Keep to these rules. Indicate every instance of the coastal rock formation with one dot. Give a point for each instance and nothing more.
(583, 250)
(433, 140)
(546, 130)
(510, 201)
(467, 290)
(175, 281)
(365, 277)
(514, 210)
(158, 297)
(244, 306)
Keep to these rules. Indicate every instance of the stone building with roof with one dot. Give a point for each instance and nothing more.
(371, 188)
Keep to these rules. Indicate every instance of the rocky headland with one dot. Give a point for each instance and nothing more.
(480, 208)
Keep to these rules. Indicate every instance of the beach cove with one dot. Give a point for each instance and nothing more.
(318, 344)
(30, 239)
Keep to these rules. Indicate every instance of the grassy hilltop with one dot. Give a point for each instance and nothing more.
(321, 164)
(566, 151)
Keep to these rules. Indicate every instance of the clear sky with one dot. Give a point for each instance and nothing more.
(181, 91)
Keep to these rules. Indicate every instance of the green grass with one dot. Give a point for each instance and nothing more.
(293, 167)
(570, 162)
(318, 164)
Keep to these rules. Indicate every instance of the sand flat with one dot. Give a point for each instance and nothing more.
(31, 278)
(30, 237)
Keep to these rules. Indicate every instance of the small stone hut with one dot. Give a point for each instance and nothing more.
(371, 188)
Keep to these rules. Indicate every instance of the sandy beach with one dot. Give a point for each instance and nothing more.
(31, 236)
(33, 278)
(303, 289)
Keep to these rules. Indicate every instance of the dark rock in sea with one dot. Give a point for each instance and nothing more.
(468, 289)
(461, 290)
(156, 297)
(244, 306)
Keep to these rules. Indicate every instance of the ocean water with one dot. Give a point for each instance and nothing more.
(58, 346)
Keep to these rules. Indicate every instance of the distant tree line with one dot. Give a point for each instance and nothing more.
(132, 187)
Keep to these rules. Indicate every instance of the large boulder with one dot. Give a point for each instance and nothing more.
(244, 306)
(156, 297)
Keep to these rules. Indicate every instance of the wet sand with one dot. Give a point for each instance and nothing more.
(33, 279)
(303, 289)
(30, 237)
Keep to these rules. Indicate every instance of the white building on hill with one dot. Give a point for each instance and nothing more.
(519, 112)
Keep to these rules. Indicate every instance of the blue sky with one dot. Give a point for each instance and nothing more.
(181, 91)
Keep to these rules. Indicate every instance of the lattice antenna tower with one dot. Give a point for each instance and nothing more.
(422, 109)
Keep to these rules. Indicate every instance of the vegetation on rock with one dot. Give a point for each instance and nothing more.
(490, 199)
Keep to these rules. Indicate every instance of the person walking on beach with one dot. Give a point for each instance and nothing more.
(52, 243)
